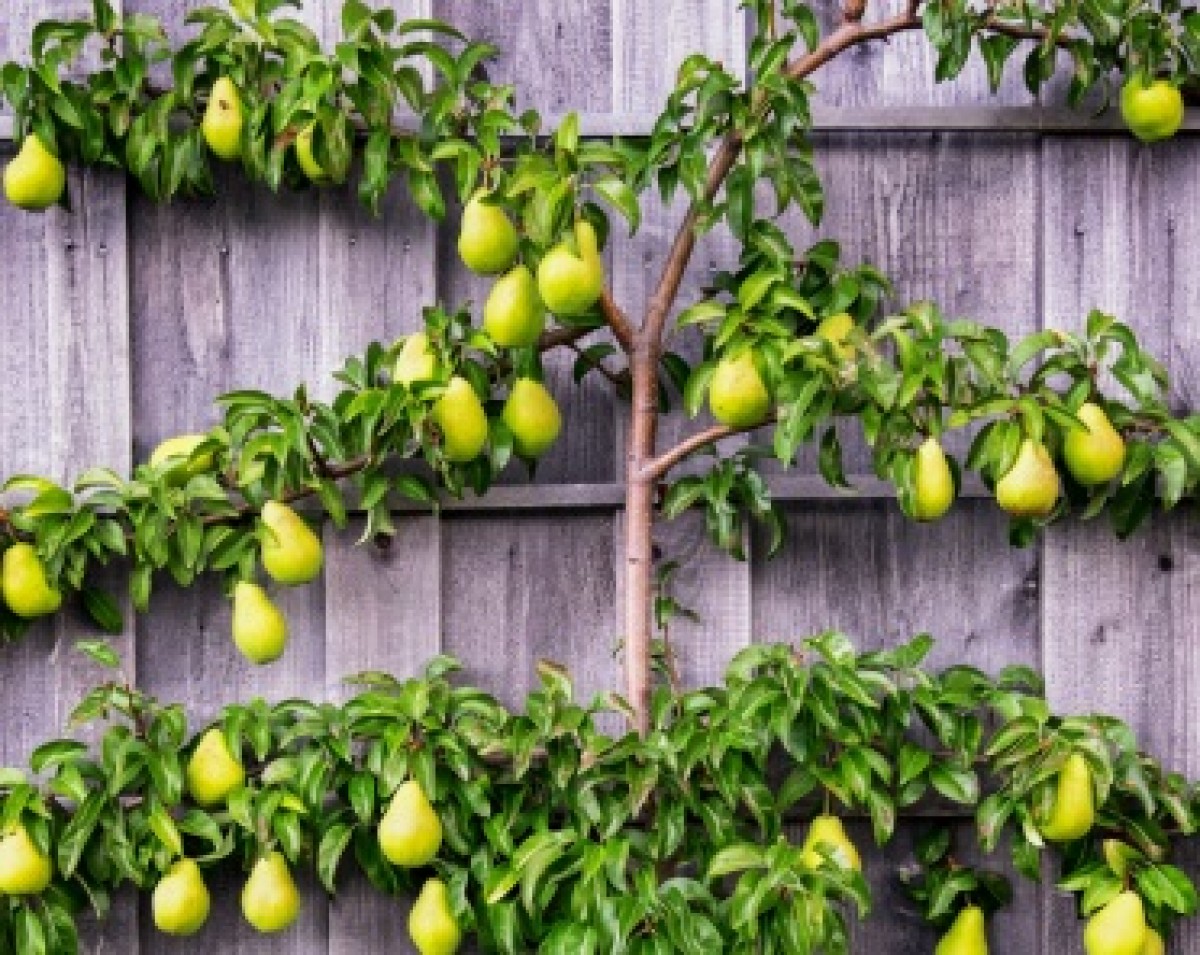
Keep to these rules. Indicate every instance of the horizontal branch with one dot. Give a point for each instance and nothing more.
(662, 465)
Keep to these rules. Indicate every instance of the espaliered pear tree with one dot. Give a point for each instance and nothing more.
(795, 347)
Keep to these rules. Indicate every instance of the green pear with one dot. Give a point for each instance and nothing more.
(308, 160)
(1152, 111)
(836, 329)
(416, 361)
(270, 899)
(828, 832)
(410, 832)
(460, 416)
(1074, 809)
(1119, 928)
(532, 416)
(1030, 488)
(967, 936)
(291, 553)
(487, 239)
(933, 490)
(1095, 455)
(431, 923)
(223, 120)
(23, 579)
(24, 869)
(213, 772)
(259, 628)
(570, 277)
(514, 314)
(737, 394)
(180, 901)
(177, 454)
(35, 178)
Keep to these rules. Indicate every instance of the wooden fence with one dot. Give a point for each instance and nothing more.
(122, 320)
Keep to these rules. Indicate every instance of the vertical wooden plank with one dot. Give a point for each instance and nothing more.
(1120, 631)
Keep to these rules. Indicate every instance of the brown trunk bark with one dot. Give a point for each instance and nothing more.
(639, 529)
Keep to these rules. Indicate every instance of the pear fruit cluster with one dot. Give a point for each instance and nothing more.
(23, 581)
(35, 179)
(24, 868)
(967, 934)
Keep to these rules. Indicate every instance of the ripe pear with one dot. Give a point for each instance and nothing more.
(967, 935)
(180, 902)
(737, 395)
(306, 158)
(1152, 111)
(487, 239)
(1030, 488)
(35, 178)
(1097, 455)
(1074, 809)
(223, 120)
(410, 832)
(533, 418)
(416, 361)
(291, 553)
(270, 899)
(431, 923)
(23, 579)
(24, 870)
(570, 279)
(836, 329)
(177, 453)
(1154, 944)
(1119, 928)
(213, 772)
(934, 482)
(460, 416)
(829, 832)
(514, 314)
(259, 628)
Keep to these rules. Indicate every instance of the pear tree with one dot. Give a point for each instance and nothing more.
(794, 348)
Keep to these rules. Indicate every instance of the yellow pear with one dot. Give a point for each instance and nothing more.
(532, 416)
(259, 628)
(213, 772)
(828, 831)
(1074, 809)
(291, 553)
(223, 120)
(836, 329)
(35, 178)
(270, 899)
(1119, 928)
(487, 239)
(177, 454)
(431, 923)
(460, 416)
(180, 902)
(737, 394)
(1097, 455)
(307, 159)
(1152, 111)
(514, 314)
(410, 832)
(24, 870)
(570, 277)
(933, 491)
(416, 361)
(967, 935)
(23, 579)
(1030, 488)
(1154, 944)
